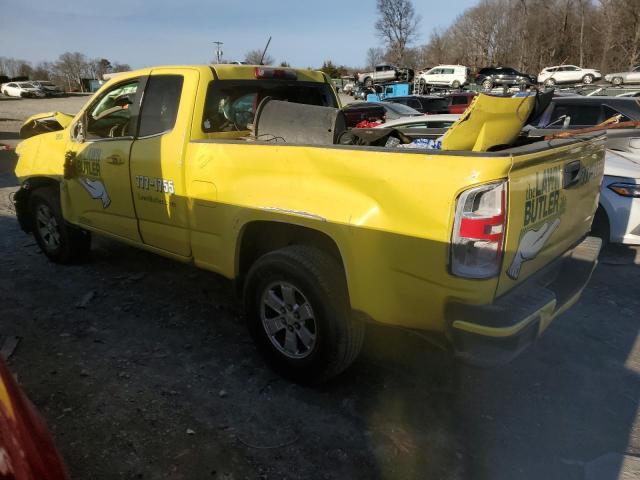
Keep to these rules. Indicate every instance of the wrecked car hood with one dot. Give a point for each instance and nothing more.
(45, 122)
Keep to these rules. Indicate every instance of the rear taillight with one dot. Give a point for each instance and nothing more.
(477, 242)
(275, 73)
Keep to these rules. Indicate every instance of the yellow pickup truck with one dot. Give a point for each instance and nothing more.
(480, 248)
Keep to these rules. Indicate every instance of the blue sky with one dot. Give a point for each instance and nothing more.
(143, 33)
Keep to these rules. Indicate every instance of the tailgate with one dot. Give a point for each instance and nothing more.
(553, 195)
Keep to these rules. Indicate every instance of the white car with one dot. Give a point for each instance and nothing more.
(568, 74)
(385, 73)
(21, 89)
(454, 76)
(444, 120)
(619, 78)
(617, 219)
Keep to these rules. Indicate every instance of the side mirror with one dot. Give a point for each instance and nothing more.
(79, 130)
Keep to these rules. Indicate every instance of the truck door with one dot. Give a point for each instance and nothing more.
(157, 155)
(97, 190)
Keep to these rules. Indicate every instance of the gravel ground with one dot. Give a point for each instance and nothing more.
(143, 369)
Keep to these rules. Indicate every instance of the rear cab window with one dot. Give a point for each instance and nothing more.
(231, 105)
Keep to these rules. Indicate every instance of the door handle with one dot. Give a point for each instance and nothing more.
(115, 159)
(571, 174)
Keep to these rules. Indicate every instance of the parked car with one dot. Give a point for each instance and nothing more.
(619, 78)
(617, 218)
(568, 74)
(394, 111)
(490, 77)
(50, 89)
(454, 76)
(27, 451)
(357, 112)
(385, 73)
(443, 121)
(581, 111)
(423, 103)
(459, 101)
(348, 87)
(21, 89)
(469, 244)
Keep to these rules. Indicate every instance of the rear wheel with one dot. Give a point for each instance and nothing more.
(59, 241)
(423, 86)
(588, 79)
(455, 84)
(617, 81)
(549, 82)
(487, 84)
(298, 313)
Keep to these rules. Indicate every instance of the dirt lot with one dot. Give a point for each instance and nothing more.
(143, 369)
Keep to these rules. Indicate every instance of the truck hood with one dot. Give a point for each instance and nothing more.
(45, 122)
(621, 164)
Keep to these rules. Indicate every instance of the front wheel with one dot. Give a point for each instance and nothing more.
(297, 310)
(59, 241)
(588, 79)
(455, 85)
(487, 84)
(550, 82)
(601, 226)
(617, 81)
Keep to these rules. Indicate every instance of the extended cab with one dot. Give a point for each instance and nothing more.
(481, 248)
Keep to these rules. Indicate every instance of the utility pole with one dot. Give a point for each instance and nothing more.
(219, 52)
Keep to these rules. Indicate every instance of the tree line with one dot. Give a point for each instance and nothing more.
(68, 70)
(526, 34)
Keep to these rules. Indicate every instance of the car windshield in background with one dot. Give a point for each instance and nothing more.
(231, 104)
(401, 109)
(433, 104)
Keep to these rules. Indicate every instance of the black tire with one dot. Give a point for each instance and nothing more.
(72, 245)
(588, 79)
(320, 281)
(617, 81)
(601, 227)
(422, 85)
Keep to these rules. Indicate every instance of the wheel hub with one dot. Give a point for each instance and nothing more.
(48, 227)
(288, 320)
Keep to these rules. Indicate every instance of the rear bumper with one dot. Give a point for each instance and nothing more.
(494, 334)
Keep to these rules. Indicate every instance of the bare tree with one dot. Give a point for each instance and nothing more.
(397, 26)
(375, 55)
(253, 57)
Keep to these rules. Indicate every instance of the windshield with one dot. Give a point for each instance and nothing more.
(432, 104)
(400, 109)
(231, 104)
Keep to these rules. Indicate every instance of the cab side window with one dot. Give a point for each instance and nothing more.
(160, 105)
(109, 116)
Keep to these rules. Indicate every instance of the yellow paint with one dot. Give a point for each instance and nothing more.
(390, 212)
(5, 401)
(489, 121)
